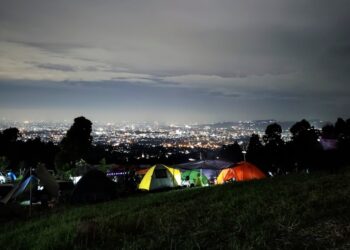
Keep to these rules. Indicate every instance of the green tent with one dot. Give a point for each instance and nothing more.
(195, 178)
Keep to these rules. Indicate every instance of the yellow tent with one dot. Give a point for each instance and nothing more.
(160, 176)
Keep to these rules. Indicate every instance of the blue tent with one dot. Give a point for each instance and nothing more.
(11, 176)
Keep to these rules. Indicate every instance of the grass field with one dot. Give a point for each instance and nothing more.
(290, 212)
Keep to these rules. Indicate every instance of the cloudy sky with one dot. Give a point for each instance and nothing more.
(174, 61)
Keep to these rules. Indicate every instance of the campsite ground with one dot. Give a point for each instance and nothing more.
(291, 212)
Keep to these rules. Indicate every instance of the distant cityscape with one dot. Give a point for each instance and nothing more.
(191, 136)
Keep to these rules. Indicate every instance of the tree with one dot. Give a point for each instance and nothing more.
(274, 149)
(328, 132)
(7, 138)
(273, 133)
(10, 134)
(75, 145)
(232, 152)
(340, 128)
(255, 151)
(8, 146)
(343, 134)
(300, 127)
(306, 149)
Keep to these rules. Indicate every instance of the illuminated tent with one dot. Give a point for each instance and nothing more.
(159, 177)
(243, 171)
(11, 175)
(209, 168)
(193, 176)
(41, 176)
(20, 188)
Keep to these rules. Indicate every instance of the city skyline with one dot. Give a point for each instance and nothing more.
(174, 62)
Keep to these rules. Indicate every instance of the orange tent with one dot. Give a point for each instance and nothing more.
(142, 171)
(243, 171)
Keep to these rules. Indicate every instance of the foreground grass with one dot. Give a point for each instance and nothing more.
(293, 212)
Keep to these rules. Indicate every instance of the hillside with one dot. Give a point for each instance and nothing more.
(291, 212)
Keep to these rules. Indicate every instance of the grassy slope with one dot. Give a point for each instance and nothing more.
(294, 212)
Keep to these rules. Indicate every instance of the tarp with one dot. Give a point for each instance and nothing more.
(16, 189)
(243, 171)
(206, 164)
(159, 177)
(24, 185)
(195, 178)
(47, 180)
(41, 174)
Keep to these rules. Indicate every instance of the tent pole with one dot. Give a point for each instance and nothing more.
(30, 192)
(173, 177)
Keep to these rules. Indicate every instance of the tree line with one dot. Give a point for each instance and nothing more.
(309, 149)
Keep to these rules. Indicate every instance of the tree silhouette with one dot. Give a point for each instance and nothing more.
(343, 134)
(18, 153)
(340, 128)
(8, 137)
(328, 132)
(274, 149)
(10, 134)
(300, 127)
(75, 145)
(8, 146)
(273, 134)
(306, 150)
(255, 151)
(232, 152)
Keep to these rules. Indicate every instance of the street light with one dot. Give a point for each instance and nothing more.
(244, 153)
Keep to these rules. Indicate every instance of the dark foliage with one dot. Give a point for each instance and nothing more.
(20, 153)
(273, 133)
(305, 151)
(232, 153)
(274, 150)
(255, 152)
(75, 145)
(305, 148)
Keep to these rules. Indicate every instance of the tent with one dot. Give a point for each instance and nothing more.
(242, 171)
(159, 177)
(209, 168)
(193, 176)
(11, 176)
(47, 180)
(206, 164)
(41, 176)
(20, 187)
(142, 171)
(94, 186)
(5, 189)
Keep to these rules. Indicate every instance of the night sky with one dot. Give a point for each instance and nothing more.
(174, 61)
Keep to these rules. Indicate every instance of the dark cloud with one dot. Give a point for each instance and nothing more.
(278, 54)
(57, 47)
(217, 93)
(58, 67)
